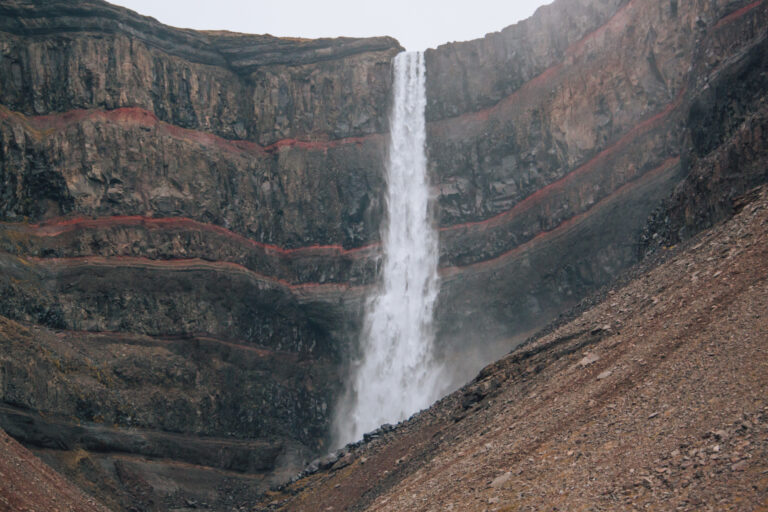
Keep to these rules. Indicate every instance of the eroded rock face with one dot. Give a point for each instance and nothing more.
(728, 139)
(189, 221)
(189, 225)
(62, 56)
(558, 137)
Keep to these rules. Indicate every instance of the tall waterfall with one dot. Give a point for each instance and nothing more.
(397, 375)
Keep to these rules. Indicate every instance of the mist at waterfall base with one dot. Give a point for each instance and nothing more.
(397, 374)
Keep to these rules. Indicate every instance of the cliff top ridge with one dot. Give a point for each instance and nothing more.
(242, 53)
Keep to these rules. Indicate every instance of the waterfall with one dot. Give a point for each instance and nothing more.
(396, 374)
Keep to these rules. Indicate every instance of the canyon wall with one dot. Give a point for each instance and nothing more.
(554, 140)
(189, 221)
(189, 225)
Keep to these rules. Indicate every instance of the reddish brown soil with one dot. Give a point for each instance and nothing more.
(656, 398)
(26, 484)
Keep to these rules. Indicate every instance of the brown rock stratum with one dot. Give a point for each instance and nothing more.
(655, 398)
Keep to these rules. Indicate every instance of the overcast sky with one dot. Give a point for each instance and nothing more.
(417, 24)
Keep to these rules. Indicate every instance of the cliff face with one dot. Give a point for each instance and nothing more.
(186, 237)
(228, 129)
(189, 220)
(553, 141)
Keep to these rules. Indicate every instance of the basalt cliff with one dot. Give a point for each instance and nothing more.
(189, 221)
(188, 226)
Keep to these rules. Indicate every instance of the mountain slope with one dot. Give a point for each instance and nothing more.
(654, 398)
(26, 484)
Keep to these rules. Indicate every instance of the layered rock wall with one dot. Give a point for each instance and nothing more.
(553, 141)
(188, 224)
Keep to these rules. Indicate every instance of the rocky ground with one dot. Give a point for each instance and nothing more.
(26, 484)
(655, 398)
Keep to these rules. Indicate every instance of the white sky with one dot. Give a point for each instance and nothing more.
(417, 24)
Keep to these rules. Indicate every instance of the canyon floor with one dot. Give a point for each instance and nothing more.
(651, 396)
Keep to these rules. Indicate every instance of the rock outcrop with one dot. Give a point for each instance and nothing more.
(553, 141)
(189, 225)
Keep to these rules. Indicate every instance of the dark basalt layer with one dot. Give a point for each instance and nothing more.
(126, 162)
(179, 237)
(178, 297)
(59, 56)
(240, 52)
(225, 412)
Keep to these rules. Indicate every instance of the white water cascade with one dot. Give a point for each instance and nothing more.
(397, 374)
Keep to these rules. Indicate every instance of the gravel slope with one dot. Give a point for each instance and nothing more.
(27, 485)
(656, 398)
